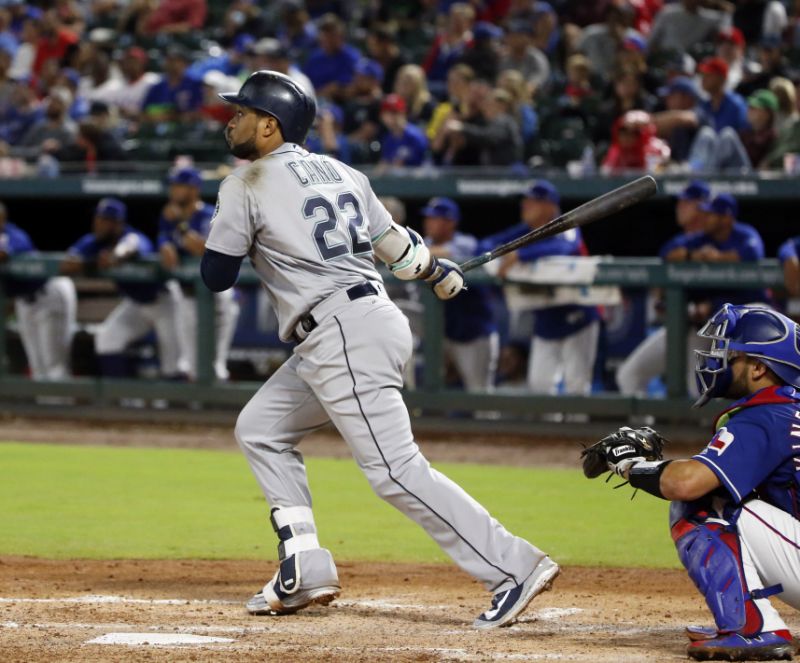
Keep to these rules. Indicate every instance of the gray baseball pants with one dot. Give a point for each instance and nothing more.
(349, 371)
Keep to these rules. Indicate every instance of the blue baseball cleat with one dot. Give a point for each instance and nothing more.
(507, 605)
(771, 646)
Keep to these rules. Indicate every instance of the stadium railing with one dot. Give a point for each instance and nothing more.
(676, 279)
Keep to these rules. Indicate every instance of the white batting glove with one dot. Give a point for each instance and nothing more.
(446, 279)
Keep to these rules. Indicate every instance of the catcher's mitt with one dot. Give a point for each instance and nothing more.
(625, 444)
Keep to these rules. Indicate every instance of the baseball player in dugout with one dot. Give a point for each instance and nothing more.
(649, 358)
(182, 231)
(712, 233)
(45, 309)
(735, 505)
(144, 306)
(564, 344)
(472, 342)
(312, 227)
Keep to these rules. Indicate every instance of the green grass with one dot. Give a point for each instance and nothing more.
(96, 502)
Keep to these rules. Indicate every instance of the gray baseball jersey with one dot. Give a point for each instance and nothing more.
(306, 221)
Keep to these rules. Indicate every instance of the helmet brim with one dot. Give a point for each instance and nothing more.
(234, 98)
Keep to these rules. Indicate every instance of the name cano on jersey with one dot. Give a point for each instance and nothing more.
(314, 171)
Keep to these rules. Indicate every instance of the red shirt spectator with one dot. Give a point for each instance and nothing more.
(634, 145)
(175, 16)
(53, 43)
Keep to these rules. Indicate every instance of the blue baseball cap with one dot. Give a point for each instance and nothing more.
(242, 43)
(486, 30)
(445, 207)
(679, 84)
(543, 190)
(695, 190)
(112, 208)
(367, 67)
(724, 203)
(188, 176)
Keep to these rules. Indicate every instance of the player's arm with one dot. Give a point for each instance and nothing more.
(405, 253)
(230, 236)
(682, 480)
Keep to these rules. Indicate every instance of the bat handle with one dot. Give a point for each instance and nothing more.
(477, 261)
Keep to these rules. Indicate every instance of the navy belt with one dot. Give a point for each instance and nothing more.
(366, 289)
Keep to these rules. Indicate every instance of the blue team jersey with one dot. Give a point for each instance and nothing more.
(468, 316)
(323, 68)
(15, 241)
(756, 449)
(185, 97)
(745, 240)
(88, 247)
(169, 233)
(553, 322)
(410, 148)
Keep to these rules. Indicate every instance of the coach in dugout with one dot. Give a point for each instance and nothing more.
(564, 341)
(471, 338)
(144, 306)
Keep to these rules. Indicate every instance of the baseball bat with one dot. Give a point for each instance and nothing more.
(609, 203)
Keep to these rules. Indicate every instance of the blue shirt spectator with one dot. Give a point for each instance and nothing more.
(334, 61)
(403, 144)
(230, 63)
(725, 108)
(176, 93)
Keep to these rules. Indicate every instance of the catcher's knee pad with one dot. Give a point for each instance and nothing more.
(710, 549)
(303, 564)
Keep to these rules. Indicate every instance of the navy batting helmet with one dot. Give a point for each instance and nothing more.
(278, 95)
(759, 332)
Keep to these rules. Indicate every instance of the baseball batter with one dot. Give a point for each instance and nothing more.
(311, 227)
(735, 506)
(45, 309)
(182, 231)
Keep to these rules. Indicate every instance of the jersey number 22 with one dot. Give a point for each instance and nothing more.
(320, 209)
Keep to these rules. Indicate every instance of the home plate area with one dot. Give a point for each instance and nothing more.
(193, 611)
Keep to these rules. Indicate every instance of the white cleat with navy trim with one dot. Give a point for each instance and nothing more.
(507, 605)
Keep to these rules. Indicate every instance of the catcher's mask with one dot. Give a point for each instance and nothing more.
(756, 331)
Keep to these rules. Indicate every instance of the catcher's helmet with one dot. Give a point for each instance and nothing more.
(759, 332)
(278, 95)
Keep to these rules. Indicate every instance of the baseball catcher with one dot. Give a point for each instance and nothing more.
(736, 504)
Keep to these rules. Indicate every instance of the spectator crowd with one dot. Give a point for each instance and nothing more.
(690, 86)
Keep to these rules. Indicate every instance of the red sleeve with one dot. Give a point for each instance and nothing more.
(612, 157)
(432, 54)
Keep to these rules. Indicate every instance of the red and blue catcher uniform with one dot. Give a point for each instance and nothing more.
(755, 451)
(740, 543)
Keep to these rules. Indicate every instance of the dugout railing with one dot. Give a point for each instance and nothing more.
(431, 397)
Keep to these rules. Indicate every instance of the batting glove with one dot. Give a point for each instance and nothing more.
(446, 279)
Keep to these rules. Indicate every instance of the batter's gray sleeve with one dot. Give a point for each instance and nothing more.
(233, 226)
(377, 215)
